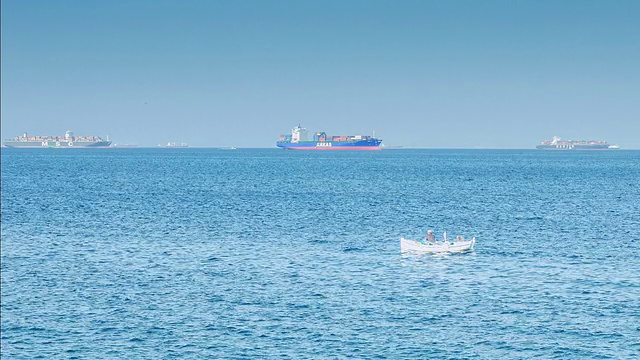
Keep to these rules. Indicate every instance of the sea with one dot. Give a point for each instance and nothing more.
(272, 254)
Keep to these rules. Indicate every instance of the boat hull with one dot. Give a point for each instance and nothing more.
(365, 148)
(371, 144)
(444, 247)
(573, 147)
(56, 144)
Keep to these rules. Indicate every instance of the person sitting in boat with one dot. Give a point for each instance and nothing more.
(430, 236)
(459, 238)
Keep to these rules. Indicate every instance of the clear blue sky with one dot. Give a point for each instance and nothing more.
(434, 74)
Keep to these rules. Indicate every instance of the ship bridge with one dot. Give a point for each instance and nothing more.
(298, 134)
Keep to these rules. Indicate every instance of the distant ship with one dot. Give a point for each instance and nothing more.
(66, 141)
(559, 144)
(391, 146)
(298, 141)
(174, 145)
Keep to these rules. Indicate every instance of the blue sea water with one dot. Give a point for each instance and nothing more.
(264, 253)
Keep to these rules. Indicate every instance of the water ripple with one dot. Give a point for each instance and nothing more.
(272, 254)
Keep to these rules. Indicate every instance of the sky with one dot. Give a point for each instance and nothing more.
(420, 74)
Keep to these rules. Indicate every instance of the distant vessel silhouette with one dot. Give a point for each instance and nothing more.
(174, 145)
(298, 141)
(66, 141)
(558, 144)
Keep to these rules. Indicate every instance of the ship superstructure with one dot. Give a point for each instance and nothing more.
(558, 144)
(69, 140)
(321, 141)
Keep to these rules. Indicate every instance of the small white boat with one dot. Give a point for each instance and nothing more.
(438, 246)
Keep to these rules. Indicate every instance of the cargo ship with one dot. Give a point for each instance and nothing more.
(66, 141)
(559, 144)
(321, 141)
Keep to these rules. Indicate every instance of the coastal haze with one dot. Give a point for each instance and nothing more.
(420, 74)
